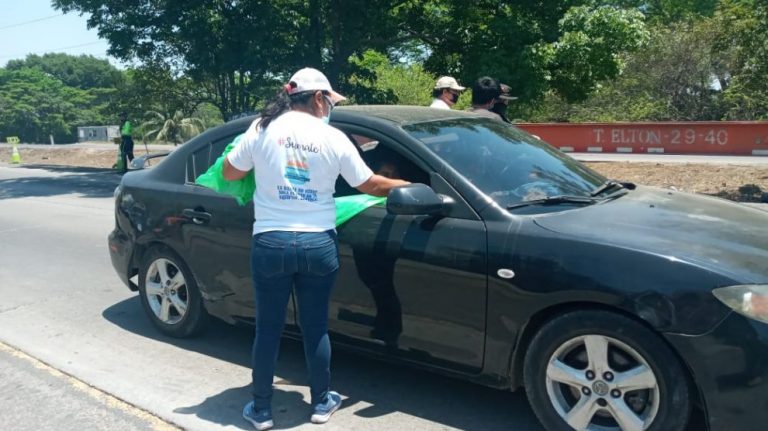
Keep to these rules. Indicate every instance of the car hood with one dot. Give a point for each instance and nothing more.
(723, 236)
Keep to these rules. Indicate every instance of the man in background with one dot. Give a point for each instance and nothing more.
(486, 92)
(126, 145)
(502, 105)
(446, 93)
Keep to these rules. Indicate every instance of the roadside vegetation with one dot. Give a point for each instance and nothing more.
(198, 64)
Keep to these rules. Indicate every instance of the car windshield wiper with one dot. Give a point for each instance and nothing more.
(608, 185)
(557, 199)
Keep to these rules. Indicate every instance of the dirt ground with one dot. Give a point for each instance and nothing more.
(741, 183)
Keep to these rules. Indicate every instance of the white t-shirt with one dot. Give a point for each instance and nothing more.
(296, 162)
(439, 104)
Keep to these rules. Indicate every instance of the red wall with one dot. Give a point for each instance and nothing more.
(717, 137)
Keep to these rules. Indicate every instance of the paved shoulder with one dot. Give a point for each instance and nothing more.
(36, 397)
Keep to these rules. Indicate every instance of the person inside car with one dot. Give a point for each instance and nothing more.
(296, 157)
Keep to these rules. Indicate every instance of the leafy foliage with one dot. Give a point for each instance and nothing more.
(377, 79)
(698, 68)
(567, 46)
(84, 71)
(176, 128)
(240, 50)
(155, 88)
(585, 53)
(746, 93)
(567, 60)
(36, 105)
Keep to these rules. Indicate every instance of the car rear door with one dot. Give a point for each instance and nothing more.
(216, 237)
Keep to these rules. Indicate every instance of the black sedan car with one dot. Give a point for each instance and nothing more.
(506, 263)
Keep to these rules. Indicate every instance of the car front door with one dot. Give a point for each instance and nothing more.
(412, 286)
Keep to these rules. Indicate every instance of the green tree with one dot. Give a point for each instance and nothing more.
(701, 67)
(177, 128)
(229, 47)
(36, 105)
(675, 77)
(84, 71)
(97, 78)
(670, 11)
(585, 53)
(745, 87)
(567, 46)
(379, 80)
(239, 51)
(153, 87)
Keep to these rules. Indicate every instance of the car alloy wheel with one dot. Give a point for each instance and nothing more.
(169, 294)
(594, 370)
(597, 382)
(166, 291)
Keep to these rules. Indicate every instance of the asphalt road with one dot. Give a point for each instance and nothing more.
(62, 305)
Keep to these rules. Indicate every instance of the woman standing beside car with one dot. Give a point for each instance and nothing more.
(296, 157)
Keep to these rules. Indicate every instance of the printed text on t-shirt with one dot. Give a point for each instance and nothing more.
(289, 144)
(286, 193)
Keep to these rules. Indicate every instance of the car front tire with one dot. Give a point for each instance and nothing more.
(596, 370)
(169, 294)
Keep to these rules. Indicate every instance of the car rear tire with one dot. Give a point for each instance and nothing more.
(596, 370)
(169, 294)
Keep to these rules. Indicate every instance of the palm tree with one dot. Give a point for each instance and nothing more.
(176, 128)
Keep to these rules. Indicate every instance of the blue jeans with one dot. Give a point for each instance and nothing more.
(280, 261)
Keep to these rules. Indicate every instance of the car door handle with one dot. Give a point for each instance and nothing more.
(197, 217)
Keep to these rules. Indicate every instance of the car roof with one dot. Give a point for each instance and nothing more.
(394, 115)
(399, 114)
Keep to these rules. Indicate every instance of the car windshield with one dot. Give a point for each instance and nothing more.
(507, 164)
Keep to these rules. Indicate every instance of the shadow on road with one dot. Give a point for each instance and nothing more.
(385, 388)
(87, 182)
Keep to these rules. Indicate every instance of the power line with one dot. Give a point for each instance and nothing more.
(58, 49)
(19, 24)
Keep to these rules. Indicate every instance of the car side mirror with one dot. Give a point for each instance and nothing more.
(417, 199)
(142, 162)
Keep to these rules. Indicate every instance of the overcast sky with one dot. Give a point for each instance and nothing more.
(34, 27)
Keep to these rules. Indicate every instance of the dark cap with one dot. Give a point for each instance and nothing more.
(505, 89)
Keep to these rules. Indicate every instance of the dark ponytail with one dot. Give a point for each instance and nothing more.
(282, 103)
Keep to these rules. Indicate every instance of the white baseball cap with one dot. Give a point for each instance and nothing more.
(309, 79)
(448, 82)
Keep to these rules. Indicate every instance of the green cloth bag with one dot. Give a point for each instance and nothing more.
(242, 189)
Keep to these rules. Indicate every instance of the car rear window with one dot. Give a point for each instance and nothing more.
(199, 161)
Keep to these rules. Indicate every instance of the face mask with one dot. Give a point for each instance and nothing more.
(327, 118)
(454, 97)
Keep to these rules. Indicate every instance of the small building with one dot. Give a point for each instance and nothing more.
(97, 133)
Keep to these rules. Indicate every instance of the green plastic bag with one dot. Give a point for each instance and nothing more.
(242, 189)
(350, 206)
